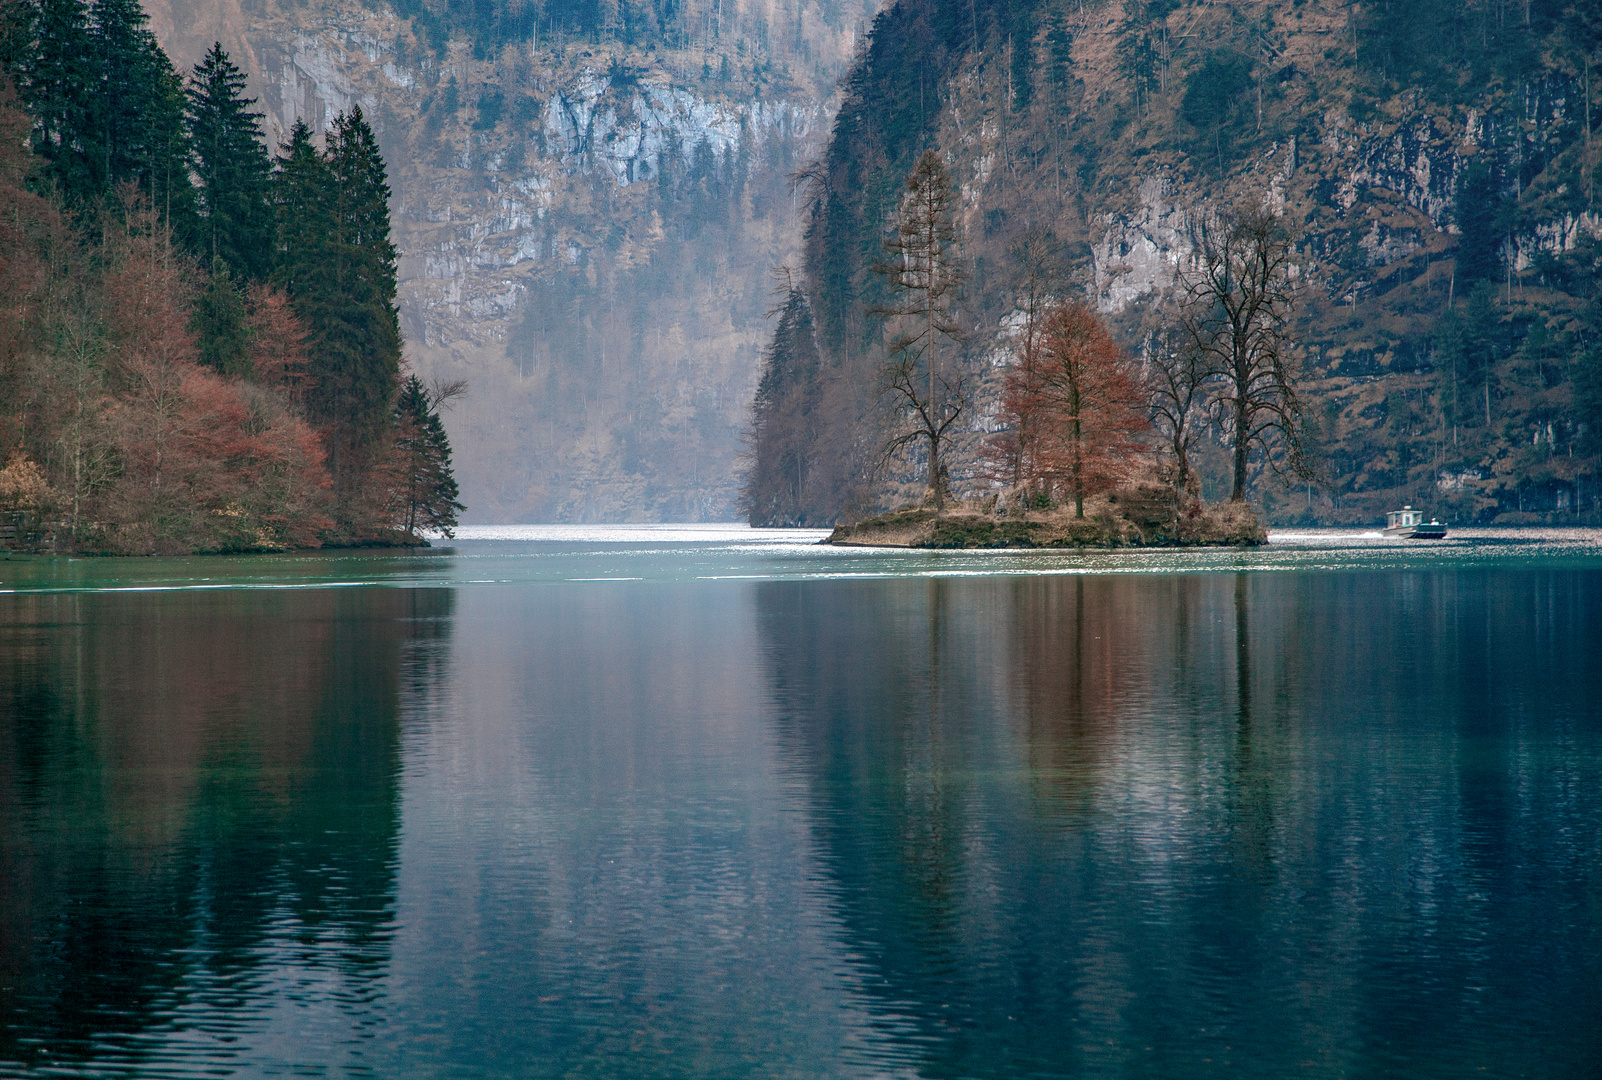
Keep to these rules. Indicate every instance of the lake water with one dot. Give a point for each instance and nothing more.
(703, 801)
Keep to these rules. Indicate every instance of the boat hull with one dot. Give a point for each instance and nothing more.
(1430, 531)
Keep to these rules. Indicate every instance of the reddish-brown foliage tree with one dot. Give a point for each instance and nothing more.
(277, 343)
(30, 228)
(106, 416)
(259, 468)
(1012, 455)
(207, 462)
(151, 350)
(1089, 407)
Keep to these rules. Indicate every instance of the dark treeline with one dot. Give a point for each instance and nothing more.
(1443, 332)
(204, 351)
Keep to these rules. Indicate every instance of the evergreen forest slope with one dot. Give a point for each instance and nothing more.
(1436, 163)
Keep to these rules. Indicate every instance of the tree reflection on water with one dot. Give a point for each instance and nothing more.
(1195, 824)
(190, 789)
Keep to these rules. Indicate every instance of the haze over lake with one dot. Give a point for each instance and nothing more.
(708, 801)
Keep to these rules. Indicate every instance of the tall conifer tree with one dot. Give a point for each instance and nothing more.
(107, 106)
(924, 275)
(55, 72)
(336, 261)
(231, 167)
(221, 323)
(784, 424)
(301, 212)
(423, 456)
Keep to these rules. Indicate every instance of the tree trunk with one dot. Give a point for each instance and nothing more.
(1079, 471)
(1181, 471)
(934, 402)
(1242, 422)
(1242, 441)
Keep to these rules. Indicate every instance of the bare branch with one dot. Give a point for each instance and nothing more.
(441, 394)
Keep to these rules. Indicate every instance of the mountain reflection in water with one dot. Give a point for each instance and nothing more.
(1158, 824)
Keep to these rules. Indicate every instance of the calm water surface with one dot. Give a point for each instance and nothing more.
(709, 802)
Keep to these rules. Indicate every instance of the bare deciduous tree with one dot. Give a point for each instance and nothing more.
(1238, 300)
(922, 271)
(442, 392)
(1177, 378)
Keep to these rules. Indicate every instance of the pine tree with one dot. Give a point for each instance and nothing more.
(55, 73)
(923, 275)
(231, 167)
(784, 422)
(359, 365)
(428, 491)
(142, 130)
(301, 220)
(335, 259)
(107, 107)
(1479, 254)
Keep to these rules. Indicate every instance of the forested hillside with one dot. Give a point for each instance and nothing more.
(201, 350)
(1433, 163)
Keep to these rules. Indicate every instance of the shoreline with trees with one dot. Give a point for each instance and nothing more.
(202, 351)
(1446, 319)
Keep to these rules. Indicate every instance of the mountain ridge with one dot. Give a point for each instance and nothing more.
(1422, 200)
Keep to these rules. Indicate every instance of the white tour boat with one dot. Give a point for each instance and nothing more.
(1409, 524)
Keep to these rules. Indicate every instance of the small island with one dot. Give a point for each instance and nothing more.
(1139, 516)
(1052, 434)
